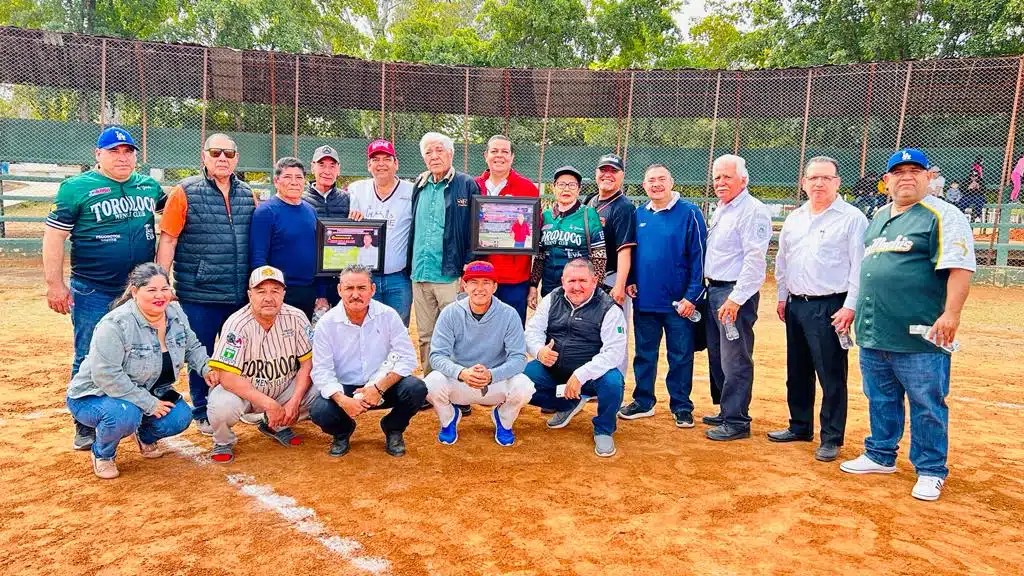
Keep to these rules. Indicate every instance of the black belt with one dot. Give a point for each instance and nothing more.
(721, 283)
(807, 298)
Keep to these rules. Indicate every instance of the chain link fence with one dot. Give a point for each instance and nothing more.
(58, 90)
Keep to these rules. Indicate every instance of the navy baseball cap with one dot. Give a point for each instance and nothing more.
(610, 160)
(907, 156)
(113, 137)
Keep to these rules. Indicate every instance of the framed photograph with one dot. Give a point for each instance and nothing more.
(341, 242)
(506, 225)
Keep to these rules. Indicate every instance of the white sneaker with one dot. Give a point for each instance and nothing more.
(253, 418)
(204, 427)
(927, 488)
(105, 469)
(148, 450)
(864, 465)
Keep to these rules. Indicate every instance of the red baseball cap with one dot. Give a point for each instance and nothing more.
(380, 145)
(479, 269)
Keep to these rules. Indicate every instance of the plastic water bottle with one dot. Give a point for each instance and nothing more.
(845, 342)
(922, 331)
(731, 333)
(693, 317)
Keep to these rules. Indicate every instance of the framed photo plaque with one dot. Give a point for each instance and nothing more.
(341, 242)
(505, 225)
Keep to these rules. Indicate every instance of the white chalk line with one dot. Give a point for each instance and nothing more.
(1007, 405)
(40, 414)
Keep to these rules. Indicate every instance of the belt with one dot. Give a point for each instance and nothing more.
(721, 283)
(808, 298)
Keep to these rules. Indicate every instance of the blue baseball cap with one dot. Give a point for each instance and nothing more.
(113, 137)
(907, 156)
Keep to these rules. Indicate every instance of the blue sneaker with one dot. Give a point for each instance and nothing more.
(503, 436)
(450, 434)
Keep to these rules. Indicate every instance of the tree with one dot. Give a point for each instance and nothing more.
(537, 33)
(633, 33)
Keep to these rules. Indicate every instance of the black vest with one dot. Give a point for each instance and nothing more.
(211, 262)
(577, 334)
(335, 205)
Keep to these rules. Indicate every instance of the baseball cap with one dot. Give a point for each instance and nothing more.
(907, 156)
(325, 152)
(478, 269)
(571, 171)
(381, 145)
(113, 137)
(264, 273)
(610, 160)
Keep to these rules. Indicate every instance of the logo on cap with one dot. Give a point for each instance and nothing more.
(120, 135)
(906, 155)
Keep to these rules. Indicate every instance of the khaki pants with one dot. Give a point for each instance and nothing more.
(428, 299)
(225, 409)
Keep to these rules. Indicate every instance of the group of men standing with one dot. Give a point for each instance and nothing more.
(241, 265)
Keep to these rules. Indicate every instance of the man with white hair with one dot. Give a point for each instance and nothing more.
(735, 265)
(440, 235)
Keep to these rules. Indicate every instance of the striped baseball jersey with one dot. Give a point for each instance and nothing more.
(268, 358)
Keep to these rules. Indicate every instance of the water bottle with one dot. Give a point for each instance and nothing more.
(317, 316)
(731, 333)
(845, 342)
(922, 331)
(693, 317)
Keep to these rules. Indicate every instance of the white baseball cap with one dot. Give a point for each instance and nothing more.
(264, 273)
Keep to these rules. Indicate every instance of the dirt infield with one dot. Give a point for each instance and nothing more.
(669, 503)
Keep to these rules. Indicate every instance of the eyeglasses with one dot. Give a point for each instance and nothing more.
(216, 152)
(567, 186)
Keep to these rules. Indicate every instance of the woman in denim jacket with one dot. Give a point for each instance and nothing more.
(126, 383)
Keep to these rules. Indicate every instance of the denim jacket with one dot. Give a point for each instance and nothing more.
(125, 361)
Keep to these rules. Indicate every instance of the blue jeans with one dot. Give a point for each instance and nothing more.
(395, 290)
(205, 320)
(514, 295)
(647, 329)
(91, 304)
(607, 388)
(115, 419)
(924, 378)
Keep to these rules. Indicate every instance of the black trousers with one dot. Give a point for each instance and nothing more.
(812, 348)
(404, 399)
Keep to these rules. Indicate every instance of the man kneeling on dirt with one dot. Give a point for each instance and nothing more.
(363, 360)
(264, 353)
(478, 353)
(578, 337)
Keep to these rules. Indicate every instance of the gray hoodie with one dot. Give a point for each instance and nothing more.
(496, 340)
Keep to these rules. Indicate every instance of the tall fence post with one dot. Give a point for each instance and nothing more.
(383, 72)
(273, 108)
(103, 85)
(739, 93)
(629, 117)
(1002, 253)
(714, 134)
(903, 106)
(867, 120)
(206, 103)
(465, 128)
(544, 131)
(295, 121)
(139, 54)
(803, 137)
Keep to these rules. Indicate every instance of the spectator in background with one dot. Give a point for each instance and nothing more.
(974, 199)
(204, 233)
(283, 235)
(513, 271)
(979, 168)
(954, 195)
(1015, 177)
(323, 196)
(937, 185)
(866, 193)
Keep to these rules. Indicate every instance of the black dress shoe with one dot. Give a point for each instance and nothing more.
(395, 444)
(715, 420)
(727, 432)
(788, 436)
(339, 447)
(466, 410)
(826, 452)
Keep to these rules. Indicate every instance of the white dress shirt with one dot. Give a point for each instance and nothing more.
(820, 254)
(613, 338)
(738, 244)
(347, 354)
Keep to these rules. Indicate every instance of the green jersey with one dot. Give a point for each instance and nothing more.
(111, 225)
(907, 258)
(564, 238)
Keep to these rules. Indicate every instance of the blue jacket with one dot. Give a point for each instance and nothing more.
(457, 218)
(668, 262)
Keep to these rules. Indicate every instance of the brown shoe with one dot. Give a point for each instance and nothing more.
(105, 469)
(148, 450)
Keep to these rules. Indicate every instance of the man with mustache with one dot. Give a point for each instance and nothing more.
(350, 343)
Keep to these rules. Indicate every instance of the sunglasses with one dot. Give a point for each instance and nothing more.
(216, 152)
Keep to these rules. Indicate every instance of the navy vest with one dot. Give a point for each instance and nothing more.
(211, 262)
(577, 334)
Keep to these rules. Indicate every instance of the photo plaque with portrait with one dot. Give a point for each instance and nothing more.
(341, 242)
(505, 225)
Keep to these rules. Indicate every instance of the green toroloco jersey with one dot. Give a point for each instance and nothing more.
(907, 259)
(111, 225)
(564, 238)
